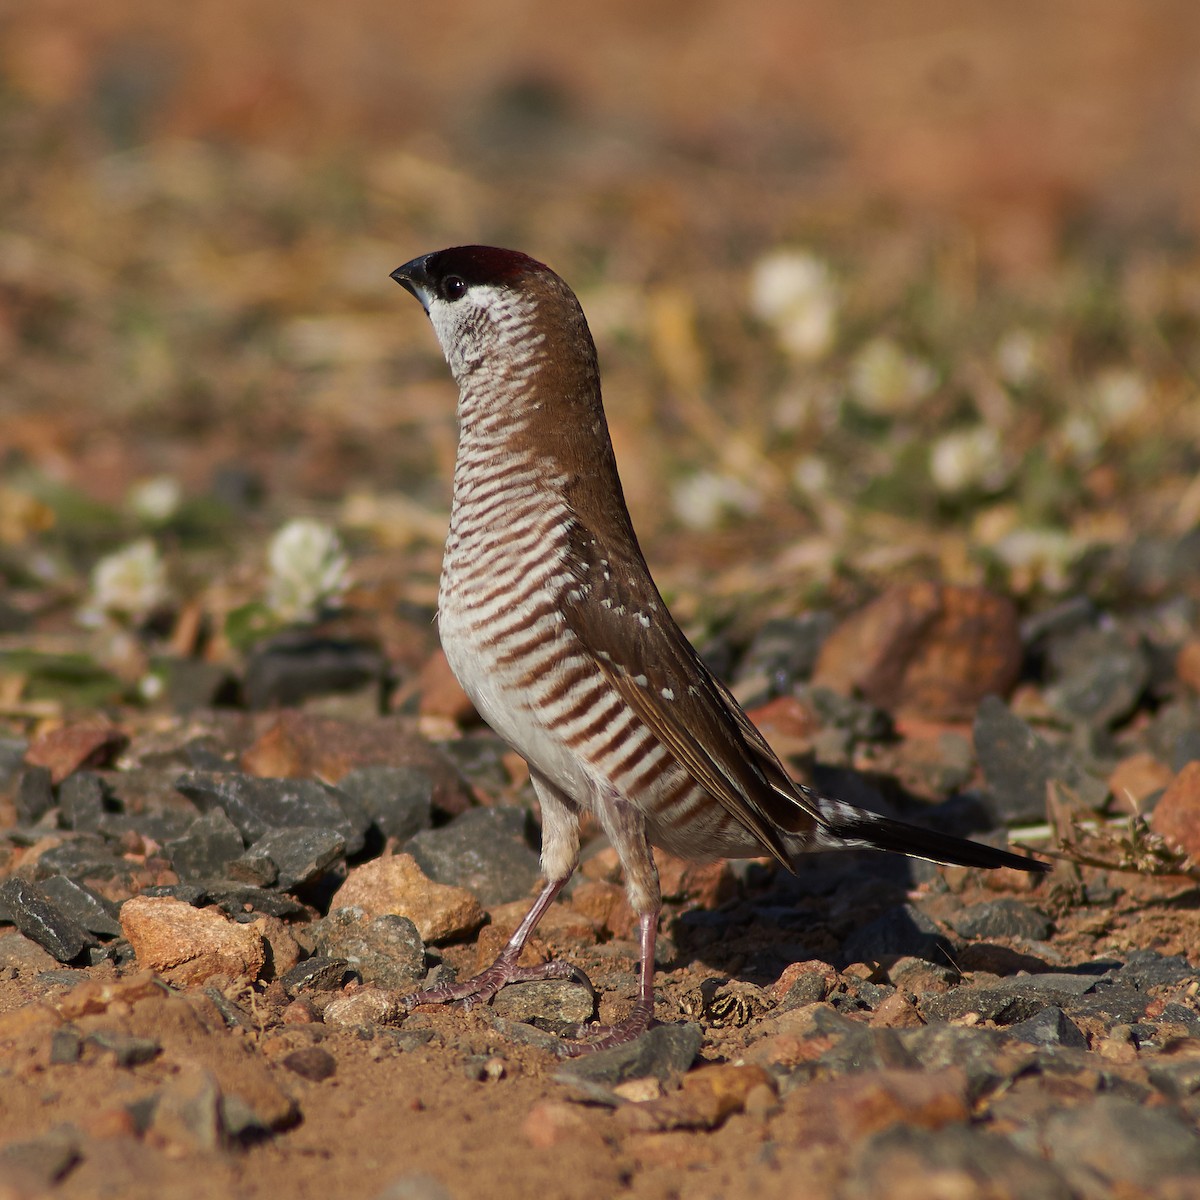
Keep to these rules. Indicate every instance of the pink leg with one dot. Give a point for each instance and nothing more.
(482, 987)
(642, 1016)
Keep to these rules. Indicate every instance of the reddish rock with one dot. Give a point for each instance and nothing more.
(794, 971)
(441, 693)
(397, 885)
(67, 749)
(562, 923)
(1176, 816)
(926, 649)
(897, 1011)
(190, 945)
(707, 884)
(787, 723)
(284, 949)
(606, 904)
(299, 746)
(1187, 665)
(708, 1097)
(867, 1102)
(1136, 778)
(552, 1123)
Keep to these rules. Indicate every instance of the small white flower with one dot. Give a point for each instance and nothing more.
(1081, 438)
(968, 458)
(794, 292)
(811, 475)
(308, 569)
(130, 582)
(1019, 357)
(1038, 557)
(702, 499)
(887, 380)
(156, 500)
(1120, 396)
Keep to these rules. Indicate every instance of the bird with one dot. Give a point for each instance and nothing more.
(550, 620)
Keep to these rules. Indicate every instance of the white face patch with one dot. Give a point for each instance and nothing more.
(486, 320)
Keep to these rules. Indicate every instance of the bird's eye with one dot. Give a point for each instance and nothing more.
(454, 287)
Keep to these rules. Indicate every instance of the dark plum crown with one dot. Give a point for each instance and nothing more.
(481, 264)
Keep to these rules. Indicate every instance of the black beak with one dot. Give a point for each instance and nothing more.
(413, 277)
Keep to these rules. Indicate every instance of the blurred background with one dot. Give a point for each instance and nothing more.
(902, 287)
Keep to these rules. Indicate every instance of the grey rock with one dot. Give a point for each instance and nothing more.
(91, 910)
(233, 898)
(664, 1052)
(1018, 764)
(807, 989)
(1097, 675)
(1173, 733)
(1020, 997)
(192, 683)
(12, 756)
(163, 827)
(190, 893)
(1180, 1014)
(975, 1050)
(84, 856)
(1116, 1140)
(1001, 918)
(253, 868)
(1049, 1027)
(386, 951)
(257, 806)
(398, 799)
(479, 758)
(207, 849)
(301, 855)
(862, 1049)
(1145, 969)
(1112, 1002)
(36, 1165)
(554, 1001)
(1186, 749)
(34, 796)
(1002, 1004)
(485, 850)
(128, 1051)
(66, 1045)
(321, 973)
(903, 1159)
(81, 801)
(784, 653)
(298, 665)
(42, 921)
(903, 931)
(188, 1112)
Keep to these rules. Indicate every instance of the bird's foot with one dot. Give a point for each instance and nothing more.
(481, 988)
(639, 1020)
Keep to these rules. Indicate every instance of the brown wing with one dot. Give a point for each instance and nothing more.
(620, 618)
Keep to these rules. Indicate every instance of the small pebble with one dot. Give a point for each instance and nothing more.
(311, 1063)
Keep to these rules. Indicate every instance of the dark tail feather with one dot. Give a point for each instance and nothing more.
(853, 826)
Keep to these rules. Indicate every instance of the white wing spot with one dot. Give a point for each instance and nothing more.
(640, 680)
(645, 620)
(667, 694)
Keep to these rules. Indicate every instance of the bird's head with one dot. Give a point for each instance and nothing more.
(494, 310)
